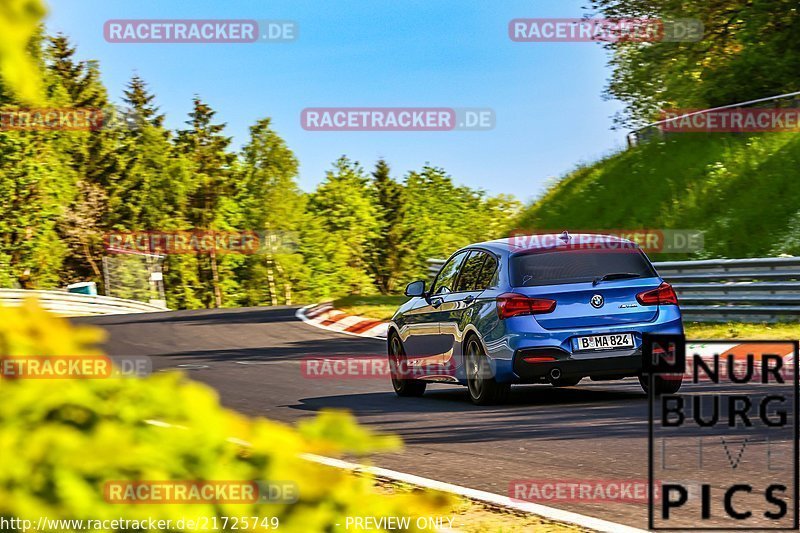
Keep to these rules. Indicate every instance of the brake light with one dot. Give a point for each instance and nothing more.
(513, 304)
(663, 295)
(538, 359)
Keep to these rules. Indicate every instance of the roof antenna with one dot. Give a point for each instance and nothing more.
(565, 236)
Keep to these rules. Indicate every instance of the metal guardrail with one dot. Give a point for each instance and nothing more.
(650, 131)
(70, 304)
(762, 289)
(721, 290)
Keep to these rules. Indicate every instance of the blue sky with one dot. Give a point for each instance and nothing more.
(381, 53)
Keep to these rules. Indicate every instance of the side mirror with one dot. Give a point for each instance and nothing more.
(415, 288)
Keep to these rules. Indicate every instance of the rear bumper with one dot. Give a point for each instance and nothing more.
(515, 335)
(610, 365)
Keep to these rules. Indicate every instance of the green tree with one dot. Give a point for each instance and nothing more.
(36, 177)
(439, 217)
(151, 191)
(340, 223)
(211, 201)
(36, 182)
(92, 155)
(144, 112)
(442, 217)
(389, 248)
(273, 206)
(750, 49)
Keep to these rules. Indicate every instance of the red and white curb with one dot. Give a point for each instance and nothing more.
(325, 316)
(738, 352)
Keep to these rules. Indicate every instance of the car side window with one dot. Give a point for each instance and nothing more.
(486, 277)
(447, 275)
(468, 278)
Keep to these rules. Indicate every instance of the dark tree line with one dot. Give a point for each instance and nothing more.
(358, 232)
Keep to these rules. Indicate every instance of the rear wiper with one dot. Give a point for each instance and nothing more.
(616, 275)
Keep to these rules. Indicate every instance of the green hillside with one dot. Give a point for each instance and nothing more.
(743, 190)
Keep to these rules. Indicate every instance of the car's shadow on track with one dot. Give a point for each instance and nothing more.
(539, 412)
(457, 399)
(291, 349)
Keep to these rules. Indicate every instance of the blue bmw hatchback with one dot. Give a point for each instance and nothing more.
(541, 309)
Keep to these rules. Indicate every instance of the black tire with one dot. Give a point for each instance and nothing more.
(566, 382)
(402, 387)
(483, 388)
(663, 386)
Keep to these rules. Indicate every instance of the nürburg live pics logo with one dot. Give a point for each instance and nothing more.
(723, 451)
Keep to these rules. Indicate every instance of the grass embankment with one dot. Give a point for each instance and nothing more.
(734, 331)
(743, 190)
(383, 307)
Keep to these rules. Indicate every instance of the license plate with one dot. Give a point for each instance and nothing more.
(613, 341)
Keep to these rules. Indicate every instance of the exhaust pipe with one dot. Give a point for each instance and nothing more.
(555, 374)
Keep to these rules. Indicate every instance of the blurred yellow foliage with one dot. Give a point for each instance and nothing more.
(30, 330)
(62, 439)
(19, 21)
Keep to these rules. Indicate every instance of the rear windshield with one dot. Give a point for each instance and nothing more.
(576, 266)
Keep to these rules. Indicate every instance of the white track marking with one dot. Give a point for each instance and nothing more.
(550, 513)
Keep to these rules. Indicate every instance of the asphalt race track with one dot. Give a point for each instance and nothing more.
(251, 356)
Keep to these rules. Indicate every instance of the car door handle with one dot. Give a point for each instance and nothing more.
(436, 302)
(469, 299)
